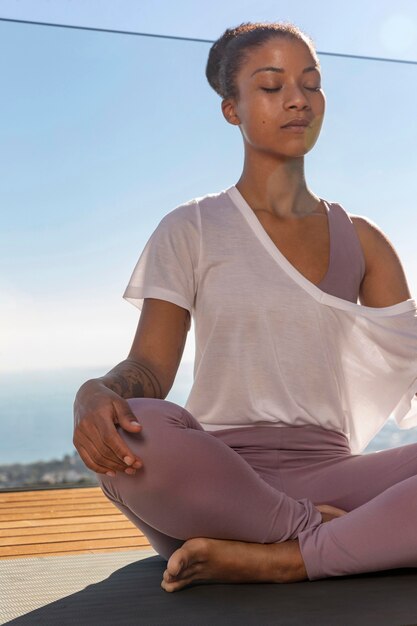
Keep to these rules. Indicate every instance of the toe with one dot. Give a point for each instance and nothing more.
(176, 563)
(167, 577)
(176, 585)
(193, 551)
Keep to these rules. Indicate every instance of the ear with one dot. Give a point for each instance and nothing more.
(229, 113)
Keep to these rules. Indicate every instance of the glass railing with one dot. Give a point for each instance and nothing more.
(102, 135)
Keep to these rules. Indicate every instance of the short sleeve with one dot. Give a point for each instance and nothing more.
(167, 267)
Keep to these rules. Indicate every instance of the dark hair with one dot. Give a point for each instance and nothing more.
(228, 54)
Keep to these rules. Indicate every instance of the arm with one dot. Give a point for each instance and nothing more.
(385, 282)
(152, 364)
(149, 371)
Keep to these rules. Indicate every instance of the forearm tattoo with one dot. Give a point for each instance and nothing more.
(131, 379)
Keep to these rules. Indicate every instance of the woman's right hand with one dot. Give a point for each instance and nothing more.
(329, 512)
(96, 411)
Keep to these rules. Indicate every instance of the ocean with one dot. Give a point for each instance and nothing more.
(36, 410)
(36, 419)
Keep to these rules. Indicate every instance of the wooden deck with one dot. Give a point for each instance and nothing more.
(60, 522)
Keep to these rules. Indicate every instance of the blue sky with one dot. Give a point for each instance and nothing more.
(102, 134)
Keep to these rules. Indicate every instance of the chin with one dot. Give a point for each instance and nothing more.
(305, 144)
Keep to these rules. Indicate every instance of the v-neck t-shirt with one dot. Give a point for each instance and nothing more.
(272, 348)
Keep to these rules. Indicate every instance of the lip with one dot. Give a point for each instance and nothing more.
(295, 129)
(297, 122)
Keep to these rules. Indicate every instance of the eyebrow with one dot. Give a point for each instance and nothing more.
(281, 70)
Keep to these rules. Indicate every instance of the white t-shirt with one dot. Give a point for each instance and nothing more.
(272, 349)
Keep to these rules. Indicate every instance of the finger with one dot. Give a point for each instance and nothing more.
(93, 465)
(117, 445)
(102, 457)
(109, 469)
(126, 418)
(105, 445)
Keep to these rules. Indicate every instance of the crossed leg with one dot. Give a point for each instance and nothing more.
(378, 533)
(379, 490)
(194, 485)
(188, 470)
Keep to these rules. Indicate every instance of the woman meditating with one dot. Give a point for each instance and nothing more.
(260, 477)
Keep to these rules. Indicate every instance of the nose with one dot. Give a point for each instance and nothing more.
(296, 97)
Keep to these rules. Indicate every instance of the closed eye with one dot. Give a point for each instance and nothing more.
(278, 88)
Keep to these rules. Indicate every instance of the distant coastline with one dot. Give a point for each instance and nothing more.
(68, 471)
(71, 471)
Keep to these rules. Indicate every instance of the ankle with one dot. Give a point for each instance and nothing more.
(291, 567)
(299, 565)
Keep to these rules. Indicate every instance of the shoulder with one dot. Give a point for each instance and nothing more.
(368, 232)
(191, 210)
(181, 212)
(375, 243)
(184, 218)
(385, 282)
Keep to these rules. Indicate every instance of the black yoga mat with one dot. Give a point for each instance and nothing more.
(131, 594)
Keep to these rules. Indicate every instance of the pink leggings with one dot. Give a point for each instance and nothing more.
(260, 485)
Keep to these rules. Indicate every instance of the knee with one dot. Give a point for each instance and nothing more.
(160, 440)
(157, 416)
(160, 411)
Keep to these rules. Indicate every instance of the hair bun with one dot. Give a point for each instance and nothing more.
(215, 57)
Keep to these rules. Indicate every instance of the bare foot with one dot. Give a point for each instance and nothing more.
(203, 559)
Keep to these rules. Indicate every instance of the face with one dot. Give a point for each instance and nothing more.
(270, 99)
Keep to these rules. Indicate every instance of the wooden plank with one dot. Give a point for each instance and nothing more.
(67, 528)
(36, 515)
(59, 522)
(32, 523)
(28, 504)
(55, 495)
(46, 490)
(49, 511)
(75, 552)
(69, 536)
(63, 547)
(46, 494)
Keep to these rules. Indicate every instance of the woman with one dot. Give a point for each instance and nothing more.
(260, 477)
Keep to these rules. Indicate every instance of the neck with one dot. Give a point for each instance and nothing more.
(278, 188)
